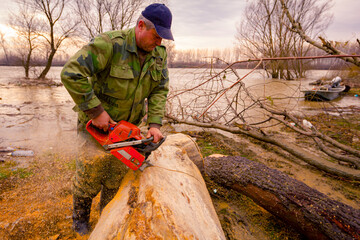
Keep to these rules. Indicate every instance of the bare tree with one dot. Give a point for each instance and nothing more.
(92, 17)
(98, 16)
(297, 25)
(263, 33)
(4, 46)
(26, 25)
(121, 13)
(170, 50)
(56, 26)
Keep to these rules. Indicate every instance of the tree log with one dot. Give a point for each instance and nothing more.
(166, 201)
(312, 213)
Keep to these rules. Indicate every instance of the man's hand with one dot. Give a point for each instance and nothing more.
(153, 131)
(102, 121)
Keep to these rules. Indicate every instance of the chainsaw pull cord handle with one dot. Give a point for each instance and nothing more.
(111, 126)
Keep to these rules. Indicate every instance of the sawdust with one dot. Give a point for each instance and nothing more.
(39, 206)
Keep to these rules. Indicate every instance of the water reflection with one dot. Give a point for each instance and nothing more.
(37, 118)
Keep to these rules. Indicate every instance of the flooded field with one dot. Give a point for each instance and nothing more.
(40, 117)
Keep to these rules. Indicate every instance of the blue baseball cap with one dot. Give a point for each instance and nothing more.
(161, 17)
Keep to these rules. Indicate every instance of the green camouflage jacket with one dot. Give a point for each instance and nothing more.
(107, 71)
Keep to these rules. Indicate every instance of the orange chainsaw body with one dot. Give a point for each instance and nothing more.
(121, 132)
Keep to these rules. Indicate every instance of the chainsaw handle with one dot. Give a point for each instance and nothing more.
(151, 146)
(110, 127)
(146, 140)
(100, 135)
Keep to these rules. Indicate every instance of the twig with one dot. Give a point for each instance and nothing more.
(230, 88)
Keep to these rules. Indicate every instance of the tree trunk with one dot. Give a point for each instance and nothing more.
(48, 65)
(312, 213)
(27, 63)
(166, 201)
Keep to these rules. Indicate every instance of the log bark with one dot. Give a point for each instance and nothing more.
(312, 213)
(166, 201)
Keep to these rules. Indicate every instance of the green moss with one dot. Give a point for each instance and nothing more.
(9, 169)
(214, 143)
(5, 169)
(354, 91)
(208, 144)
(4, 175)
(278, 231)
(342, 128)
(23, 173)
(71, 165)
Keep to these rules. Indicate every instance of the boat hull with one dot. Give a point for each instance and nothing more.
(319, 94)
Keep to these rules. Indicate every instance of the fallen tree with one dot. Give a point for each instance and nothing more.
(170, 201)
(312, 213)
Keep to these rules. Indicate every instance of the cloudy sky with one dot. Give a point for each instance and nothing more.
(212, 23)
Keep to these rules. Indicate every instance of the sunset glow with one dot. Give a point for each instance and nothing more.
(7, 31)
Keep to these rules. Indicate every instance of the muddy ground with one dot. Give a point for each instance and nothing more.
(35, 191)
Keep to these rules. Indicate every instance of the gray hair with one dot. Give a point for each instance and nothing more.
(148, 23)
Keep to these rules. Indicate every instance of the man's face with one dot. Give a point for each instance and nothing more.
(146, 39)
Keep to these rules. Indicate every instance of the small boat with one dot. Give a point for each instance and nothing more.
(326, 92)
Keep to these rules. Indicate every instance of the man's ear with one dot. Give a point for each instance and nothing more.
(141, 24)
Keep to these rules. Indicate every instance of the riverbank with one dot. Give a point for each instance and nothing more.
(35, 191)
(36, 201)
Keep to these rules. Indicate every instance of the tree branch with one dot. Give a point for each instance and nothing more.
(325, 46)
(301, 153)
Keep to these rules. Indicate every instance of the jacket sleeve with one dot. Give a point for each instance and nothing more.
(157, 98)
(88, 61)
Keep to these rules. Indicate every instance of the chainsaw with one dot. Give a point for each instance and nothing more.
(125, 142)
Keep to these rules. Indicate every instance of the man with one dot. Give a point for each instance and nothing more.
(109, 80)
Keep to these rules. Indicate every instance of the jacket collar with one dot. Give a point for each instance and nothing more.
(131, 43)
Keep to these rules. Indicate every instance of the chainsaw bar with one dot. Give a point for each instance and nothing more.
(126, 144)
(145, 165)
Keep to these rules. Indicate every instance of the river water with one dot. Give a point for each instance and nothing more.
(41, 118)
